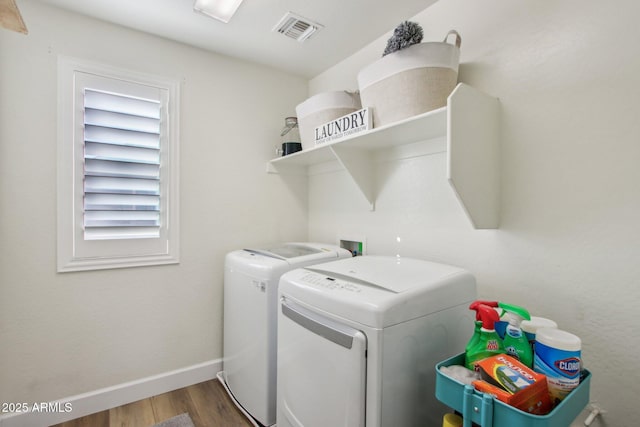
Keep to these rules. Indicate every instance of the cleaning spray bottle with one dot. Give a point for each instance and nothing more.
(515, 342)
(478, 322)
(488, 342)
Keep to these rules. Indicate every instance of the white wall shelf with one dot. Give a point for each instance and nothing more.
(470, 123)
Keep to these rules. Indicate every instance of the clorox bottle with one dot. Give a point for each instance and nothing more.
(558, 356)
(515, 342)
(488, 342)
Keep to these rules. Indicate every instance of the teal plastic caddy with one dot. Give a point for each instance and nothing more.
(484, 410)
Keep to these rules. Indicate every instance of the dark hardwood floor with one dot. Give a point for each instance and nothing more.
(207, 404)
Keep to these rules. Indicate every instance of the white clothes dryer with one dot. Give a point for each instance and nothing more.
(358, 341)
(251, 279)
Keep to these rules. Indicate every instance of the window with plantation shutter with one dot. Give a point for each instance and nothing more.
(121, 166)
(117, 175)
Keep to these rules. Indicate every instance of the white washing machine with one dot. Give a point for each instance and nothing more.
(358, 341)
(250, 314)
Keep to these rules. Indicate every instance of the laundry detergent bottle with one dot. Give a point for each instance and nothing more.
(478, 323)
(488, 343)
(515, 342)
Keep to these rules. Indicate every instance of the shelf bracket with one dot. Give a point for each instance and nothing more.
(360, 166)
(473, 154)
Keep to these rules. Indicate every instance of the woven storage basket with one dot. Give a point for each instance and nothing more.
(410, 81)
(321, 109)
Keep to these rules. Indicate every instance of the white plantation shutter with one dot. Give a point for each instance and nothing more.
(121, 166)
(117, 167)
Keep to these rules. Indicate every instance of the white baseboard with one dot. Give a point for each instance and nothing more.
(62, 410)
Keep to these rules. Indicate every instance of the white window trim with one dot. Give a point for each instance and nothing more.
(69, 229)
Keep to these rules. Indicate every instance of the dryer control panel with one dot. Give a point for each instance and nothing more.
(320, 280)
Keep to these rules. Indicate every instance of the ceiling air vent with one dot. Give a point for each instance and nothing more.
(296, 27)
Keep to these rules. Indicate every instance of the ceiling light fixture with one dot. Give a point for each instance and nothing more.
(222, 10)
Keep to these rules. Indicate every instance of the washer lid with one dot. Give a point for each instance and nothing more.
(294, 250)
(296, 253)
(287, 250)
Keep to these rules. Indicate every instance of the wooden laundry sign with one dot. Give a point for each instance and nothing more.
(352, 123)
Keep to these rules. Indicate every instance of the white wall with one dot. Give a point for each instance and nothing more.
(65, 334)
(568, 248)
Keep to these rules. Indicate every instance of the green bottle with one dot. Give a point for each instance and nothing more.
(488, 342)
(478, 323)
(515, 342)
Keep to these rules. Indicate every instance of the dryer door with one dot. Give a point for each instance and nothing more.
(321, 370)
